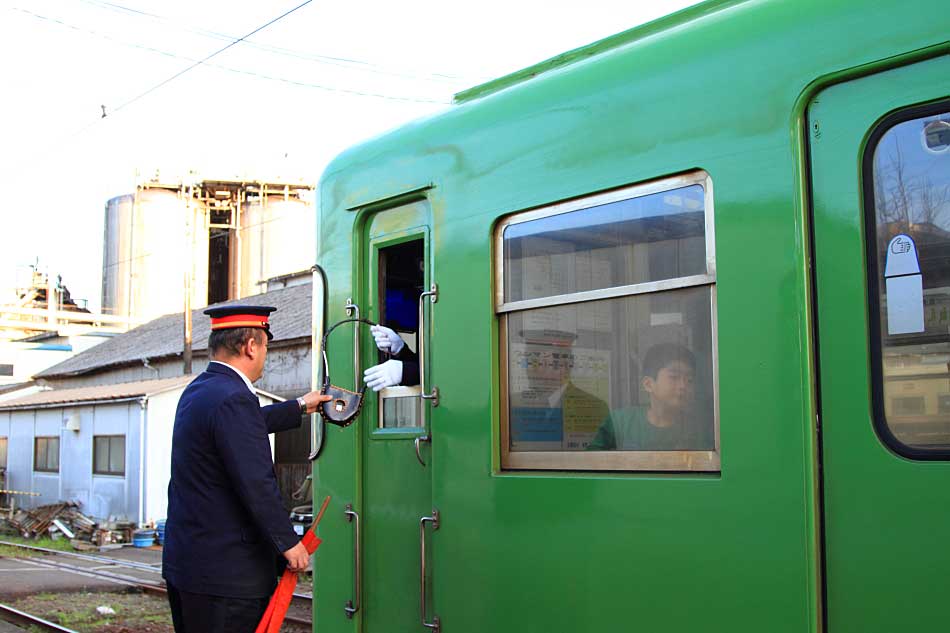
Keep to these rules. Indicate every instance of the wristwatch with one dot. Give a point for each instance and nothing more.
(303, 405)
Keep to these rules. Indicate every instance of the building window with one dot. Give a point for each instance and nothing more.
(907, 195)
(46, 454)
(3, 453)
(6, 369)
(606, 315)
(108, 455)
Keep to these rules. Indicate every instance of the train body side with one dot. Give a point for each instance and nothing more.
(723, 88)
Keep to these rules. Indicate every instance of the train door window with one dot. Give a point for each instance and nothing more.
(607, 318)
(907, 194)
(401, 278)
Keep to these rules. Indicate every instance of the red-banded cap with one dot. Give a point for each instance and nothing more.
(224, 317)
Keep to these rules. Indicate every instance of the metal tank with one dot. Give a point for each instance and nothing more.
(276, 236)
(117, 229)
(154, 235)
(148, 246)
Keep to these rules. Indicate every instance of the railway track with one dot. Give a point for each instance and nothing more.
(21, 618)
(156, 587)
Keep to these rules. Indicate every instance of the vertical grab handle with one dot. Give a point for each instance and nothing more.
(317, 326)
(435, 625)
(420, 439)
(352, 606)
(354, 310)
(433, 296)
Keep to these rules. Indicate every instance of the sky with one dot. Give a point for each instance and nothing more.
(279, 104)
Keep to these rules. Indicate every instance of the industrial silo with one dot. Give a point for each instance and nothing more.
(115, 255)
(151, 238)
(276, 236)
(230, 235)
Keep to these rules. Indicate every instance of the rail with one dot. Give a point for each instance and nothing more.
(15, 616)
(156, 588)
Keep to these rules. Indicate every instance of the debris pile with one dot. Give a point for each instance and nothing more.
(55, 520)
(64, 520)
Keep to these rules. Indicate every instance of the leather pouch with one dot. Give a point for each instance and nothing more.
(345, 406)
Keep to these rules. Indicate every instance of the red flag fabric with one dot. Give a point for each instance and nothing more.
(280, 601)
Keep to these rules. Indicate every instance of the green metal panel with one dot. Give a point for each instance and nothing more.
(886, 517)
(397, 489)
(717, 88)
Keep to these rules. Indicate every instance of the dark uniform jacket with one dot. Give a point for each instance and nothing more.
(410, 366)
(226, 524)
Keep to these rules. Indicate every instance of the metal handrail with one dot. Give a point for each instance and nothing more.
(352, 606)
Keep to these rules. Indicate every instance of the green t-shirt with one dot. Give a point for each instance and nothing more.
(630, 430)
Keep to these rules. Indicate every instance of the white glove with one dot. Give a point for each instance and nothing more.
(383, 375)
(387, 340)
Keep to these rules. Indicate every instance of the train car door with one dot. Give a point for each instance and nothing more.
(382, 465)
(880, 162)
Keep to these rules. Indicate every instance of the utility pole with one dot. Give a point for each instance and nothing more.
(186, 351)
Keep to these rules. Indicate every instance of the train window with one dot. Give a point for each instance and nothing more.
(401, 278)
(907, 191)
(606, 309)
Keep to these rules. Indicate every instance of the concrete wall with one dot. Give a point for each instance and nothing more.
(31, 357)
(158, 458)
(158, 432)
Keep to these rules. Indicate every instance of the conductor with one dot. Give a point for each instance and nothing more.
(228, 535)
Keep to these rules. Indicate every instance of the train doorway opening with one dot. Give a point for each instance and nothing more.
(397, 463)
(401, 279)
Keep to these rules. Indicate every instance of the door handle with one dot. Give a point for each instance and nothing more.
(433, 296)
(421, 438)
(435, 625)
(352, 606)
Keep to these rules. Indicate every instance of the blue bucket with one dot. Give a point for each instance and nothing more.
(143, 538)
(160, 528)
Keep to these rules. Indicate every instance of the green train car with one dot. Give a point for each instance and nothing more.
(680, 303)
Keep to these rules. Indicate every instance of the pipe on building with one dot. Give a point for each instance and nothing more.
(143, 406)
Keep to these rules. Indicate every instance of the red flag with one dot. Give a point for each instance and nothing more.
(280, 601)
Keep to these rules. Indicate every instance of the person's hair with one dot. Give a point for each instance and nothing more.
(231, 340)
(664, 355)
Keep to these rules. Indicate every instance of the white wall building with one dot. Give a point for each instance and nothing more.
(107, 447)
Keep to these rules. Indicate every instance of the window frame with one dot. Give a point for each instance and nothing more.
(109, 456)
(689, 461)
(36, 445)
(875, 338)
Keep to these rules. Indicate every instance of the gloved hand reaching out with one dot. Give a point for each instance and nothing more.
(387, 340)
(383, 375)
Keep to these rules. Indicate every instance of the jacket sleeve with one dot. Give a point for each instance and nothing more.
(282, 416)
(240, 435)
(410, 366)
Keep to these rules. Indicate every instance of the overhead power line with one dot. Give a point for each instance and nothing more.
(194, 65)
(240, 71)
(212, 55)
(344, 62)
